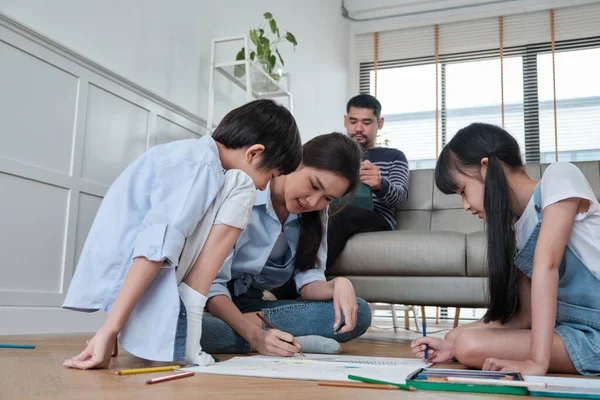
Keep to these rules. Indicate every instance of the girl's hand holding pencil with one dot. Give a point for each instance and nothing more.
(438, 350)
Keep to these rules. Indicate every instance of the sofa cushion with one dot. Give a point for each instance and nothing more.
(420, 183)
(455, 221)
(476, 254)
(403, 253)
(448, 291)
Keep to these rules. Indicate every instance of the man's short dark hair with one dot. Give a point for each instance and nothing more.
(365, 101)
(263, 122)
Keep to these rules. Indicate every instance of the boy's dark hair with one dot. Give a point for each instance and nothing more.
(263, 122)
(365, 101)
(332, 152)
(465, 151)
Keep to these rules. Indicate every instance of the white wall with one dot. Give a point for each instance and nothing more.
(66, 132)
(164, 46)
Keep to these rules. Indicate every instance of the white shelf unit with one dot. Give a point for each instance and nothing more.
(227, 69)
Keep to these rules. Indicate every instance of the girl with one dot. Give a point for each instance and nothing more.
(543, 260)
(130, 265)
(286, 236)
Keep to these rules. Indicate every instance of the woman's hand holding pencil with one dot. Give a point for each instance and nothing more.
(274, 342)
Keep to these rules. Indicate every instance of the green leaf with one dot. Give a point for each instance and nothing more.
(241, 54)
(273, 25)
(291, 38)
(280, 58)
(254, 36)
(252, 55)
(240, 70)
(260, 51)
(265, 42)
(261, 32)
(272, 61)
(268, 15)
(278, 35)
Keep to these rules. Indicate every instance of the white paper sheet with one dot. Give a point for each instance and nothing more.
(315, 367)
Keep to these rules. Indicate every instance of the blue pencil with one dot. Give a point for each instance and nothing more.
(16, 346)
(426, 348)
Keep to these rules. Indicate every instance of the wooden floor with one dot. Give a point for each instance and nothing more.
(38, 374)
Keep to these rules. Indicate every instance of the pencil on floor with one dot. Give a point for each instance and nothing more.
(170, 377)
(263, 319)
(359, 385)
(147, 370)
(17, 346)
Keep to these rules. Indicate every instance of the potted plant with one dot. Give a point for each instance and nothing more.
(265, 53)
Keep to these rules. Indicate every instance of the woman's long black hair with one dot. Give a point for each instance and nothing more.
(463, 153)
(337, 153)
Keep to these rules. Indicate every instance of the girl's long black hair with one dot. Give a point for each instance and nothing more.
(337, 153)
(463, 154)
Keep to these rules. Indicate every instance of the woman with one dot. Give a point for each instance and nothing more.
(286, 236)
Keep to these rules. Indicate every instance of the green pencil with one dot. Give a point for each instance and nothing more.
(369, 380)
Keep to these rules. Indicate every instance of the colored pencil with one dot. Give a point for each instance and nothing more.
(263, 319)
(148, 370)
(369, 380)
(497, 382)
(170, 377)
(426, 356)
(359, 385)
(17, 346)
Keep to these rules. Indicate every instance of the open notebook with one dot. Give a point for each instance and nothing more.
(316, 367)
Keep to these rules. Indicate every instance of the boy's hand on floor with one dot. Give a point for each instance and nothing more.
(439, 350)
(274, 342)
(97, 354)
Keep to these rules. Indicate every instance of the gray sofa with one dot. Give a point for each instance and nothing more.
(436, 255)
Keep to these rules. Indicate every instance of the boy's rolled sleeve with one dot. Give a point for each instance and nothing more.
(182, 192)
(241, 194)
(159, 242)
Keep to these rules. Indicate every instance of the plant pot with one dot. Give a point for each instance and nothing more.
(260, 82)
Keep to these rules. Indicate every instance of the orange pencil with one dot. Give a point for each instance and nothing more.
(170, 377)
(263, 319)
(359, 385)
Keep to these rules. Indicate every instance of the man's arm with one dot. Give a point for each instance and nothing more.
(394, 181)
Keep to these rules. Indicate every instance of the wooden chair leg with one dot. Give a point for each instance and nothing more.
(394, 317)
(406, 320)
(437, 315)
(456, 317)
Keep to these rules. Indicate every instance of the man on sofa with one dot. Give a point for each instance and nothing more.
(384, 170)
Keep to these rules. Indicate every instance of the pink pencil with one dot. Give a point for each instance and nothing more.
(170, 377)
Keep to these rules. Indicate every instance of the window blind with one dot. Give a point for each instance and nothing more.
(500, 70)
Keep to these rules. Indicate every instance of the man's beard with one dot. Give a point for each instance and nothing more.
(364, 144)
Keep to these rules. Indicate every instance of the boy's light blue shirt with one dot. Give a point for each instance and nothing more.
(249, 263)
(149, 211)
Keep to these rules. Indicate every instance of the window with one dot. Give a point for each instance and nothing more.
(473, 89)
